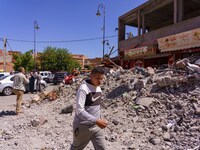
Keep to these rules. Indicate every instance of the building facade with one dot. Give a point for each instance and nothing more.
(92, 62)
(166, 30)
(6, 60)
(80, 58)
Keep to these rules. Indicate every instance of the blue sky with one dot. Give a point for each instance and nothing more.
(61, 20)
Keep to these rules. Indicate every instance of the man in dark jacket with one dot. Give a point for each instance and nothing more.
(31, 82)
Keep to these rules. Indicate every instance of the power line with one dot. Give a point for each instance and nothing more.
(79, 40)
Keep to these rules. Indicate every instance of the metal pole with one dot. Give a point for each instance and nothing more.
(104, 30)
(104, 25)
(4, 55)
(35, 60)
(34, 51)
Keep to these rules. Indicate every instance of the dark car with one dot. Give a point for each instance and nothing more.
(59, 77)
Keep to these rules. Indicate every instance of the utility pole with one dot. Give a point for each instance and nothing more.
(36, 27)
(4, 54)
(102, 6)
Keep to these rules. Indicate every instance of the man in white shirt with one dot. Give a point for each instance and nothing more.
(88, 124)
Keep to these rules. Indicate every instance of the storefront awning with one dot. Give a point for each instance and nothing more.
(184, 40)
(138, 52)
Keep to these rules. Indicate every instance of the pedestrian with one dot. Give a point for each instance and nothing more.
(38, 82)
(88, 124)
(31, 82)
(19, 88)
(12, 72)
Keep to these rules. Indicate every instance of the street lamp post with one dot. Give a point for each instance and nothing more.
(36, 27)
(102, 6)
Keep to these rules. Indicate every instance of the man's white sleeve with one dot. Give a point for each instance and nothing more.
(80, 107)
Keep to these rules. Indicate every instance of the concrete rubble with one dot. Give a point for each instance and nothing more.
(147, 109)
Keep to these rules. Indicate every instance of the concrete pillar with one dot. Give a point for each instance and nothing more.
(139, 22)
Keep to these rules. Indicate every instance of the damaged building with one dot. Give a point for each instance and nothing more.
(165, 32)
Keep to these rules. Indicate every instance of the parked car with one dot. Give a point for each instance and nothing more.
(50, 80)
(46, 75)
(6, 85)
(59, 77)
(4, 74)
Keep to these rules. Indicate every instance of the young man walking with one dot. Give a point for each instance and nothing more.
(88, 125)
(19, 87)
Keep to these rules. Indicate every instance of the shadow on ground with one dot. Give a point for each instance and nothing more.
(7, 113)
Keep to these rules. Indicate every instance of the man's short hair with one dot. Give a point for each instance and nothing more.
(21, 69)
(98, 70)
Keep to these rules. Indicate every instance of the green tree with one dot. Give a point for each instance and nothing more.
(72, 63)
(58, 59)
(24, 60)
(48, 59)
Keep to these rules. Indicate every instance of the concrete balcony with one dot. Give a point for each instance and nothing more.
(151, 37)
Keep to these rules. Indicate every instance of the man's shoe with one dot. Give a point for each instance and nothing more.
(20, 112)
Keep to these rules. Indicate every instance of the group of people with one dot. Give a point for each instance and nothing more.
(32, 77)
(88, 123)
(19, 86)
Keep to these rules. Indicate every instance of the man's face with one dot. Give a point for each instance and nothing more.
(96, 79)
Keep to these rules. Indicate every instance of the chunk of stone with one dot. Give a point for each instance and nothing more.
(166, 136)
(67, 109)
(164, 81)
(155, 141)
(146, 101)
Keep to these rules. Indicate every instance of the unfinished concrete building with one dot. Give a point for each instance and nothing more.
(159, 32)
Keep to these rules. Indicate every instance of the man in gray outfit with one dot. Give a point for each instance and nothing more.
(88, 125)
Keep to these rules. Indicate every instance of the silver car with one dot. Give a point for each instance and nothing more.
(6, 84)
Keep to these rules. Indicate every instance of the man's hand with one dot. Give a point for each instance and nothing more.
(102, 123)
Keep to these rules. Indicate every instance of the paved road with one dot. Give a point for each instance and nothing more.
(6, 101)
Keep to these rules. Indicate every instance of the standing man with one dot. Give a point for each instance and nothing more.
(31, 82)
(19, 87)
(38, 82)
(88, 125)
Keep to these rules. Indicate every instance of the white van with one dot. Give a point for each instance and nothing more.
(45, 75)
(4, 74)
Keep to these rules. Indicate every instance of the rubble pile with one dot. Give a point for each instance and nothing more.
(146, 110)
(153, 112)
